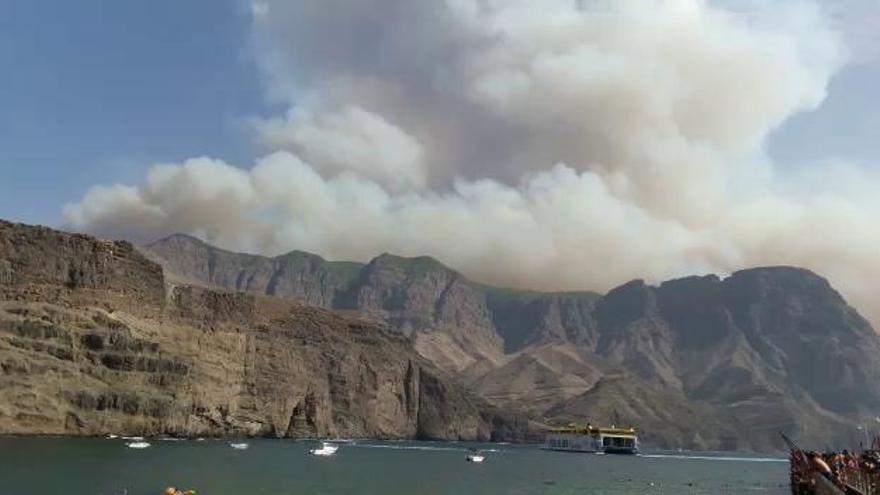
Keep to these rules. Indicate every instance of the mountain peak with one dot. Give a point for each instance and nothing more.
(780, 271)
(765, 281)
(179, 237)
(296, 254)
(419, 264)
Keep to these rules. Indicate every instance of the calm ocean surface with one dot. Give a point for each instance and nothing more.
(108, 467)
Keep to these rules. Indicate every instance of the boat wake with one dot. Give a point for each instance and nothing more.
(714, 458)
(419, 447)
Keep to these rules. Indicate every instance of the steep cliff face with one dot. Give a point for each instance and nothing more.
(92, 342)
(305, 277)
(38, 263)
(777, 348)
(420, 298)
(803, 328)
(699, 361)
(526, 318)
(454, 321)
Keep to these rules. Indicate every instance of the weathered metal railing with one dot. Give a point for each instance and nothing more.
(861, 479)
(846, 473)
(858, 478)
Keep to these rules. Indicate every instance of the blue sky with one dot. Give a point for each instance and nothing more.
(846, 127)
(95, 91)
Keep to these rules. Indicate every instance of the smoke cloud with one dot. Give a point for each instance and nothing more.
(554, 145)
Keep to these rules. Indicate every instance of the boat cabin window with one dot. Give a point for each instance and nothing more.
(618, 442)
(561, 443)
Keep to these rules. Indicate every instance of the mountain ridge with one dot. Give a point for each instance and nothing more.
(153, 249)
(765, 347)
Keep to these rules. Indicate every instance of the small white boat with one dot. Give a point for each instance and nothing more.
(137, 445)
(327, 449)
(136, 439)
(239, 446)
(475, 456)
(112, 436)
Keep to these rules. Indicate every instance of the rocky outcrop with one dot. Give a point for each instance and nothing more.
(699, 361)
(38, 263)
(92, 341)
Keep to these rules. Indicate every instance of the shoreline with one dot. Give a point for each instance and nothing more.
(714, 455)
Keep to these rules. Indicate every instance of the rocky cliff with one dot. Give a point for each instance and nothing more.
(93, 341)
(699, 362)
(456, 321)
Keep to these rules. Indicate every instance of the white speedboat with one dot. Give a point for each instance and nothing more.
(325, 450)
(137, 445)
(475, 456)
(239, 446)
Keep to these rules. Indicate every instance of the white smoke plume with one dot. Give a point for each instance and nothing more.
(558, 144)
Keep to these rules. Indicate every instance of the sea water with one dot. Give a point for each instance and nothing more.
(107, 467)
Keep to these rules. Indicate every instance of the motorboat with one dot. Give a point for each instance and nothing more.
(239, 446)
(475, 456)
(137, 445)
(326, 449)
